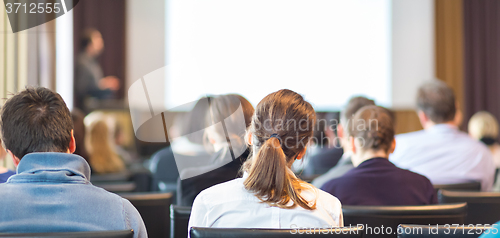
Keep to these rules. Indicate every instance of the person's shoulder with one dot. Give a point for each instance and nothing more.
(327, 201)
(478, 144)
(331, 184)
(222, 188)
(167, 151)
(470, 144)
(327, 197)
(133, 219)
(410, 175)
(413, 177)
(128, 208)
(102, 193)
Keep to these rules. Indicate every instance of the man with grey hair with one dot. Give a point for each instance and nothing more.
(345, 163)
(441, 152)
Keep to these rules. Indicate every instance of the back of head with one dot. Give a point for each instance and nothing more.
(437, 101)
(353, 106)
(373, 128)
(281, 128)
(36, 120)
(196, 120)
(225, 108)
(247, 108)
(103, 157)
(86, 37)
(483, 125)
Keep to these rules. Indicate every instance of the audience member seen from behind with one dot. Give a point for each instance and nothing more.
(187, 131)
(441, 152)
(269, 195)
(4, 172)
(52, 185)
(483, 126)
(345, 163)
(326, 150)
(221, 166)
(103, 157)
(377, 181)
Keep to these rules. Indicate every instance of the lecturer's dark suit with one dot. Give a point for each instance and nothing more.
(88, 73)
(378, 182)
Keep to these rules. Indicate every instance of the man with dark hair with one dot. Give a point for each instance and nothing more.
(345, 163)
(375, 181)
(441, 152)
(89, 79)
(51, 191)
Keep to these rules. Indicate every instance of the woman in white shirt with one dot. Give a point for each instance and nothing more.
(269, 195)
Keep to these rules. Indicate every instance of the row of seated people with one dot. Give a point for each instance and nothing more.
(103, 142)
(369, 137)
(38, 133)
(440, 152)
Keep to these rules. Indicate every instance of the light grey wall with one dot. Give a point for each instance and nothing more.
(412, 44)
(145, 22)
(412, 49)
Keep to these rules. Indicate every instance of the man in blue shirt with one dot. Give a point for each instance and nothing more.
(374, 180)
(441, 152)
(51, 191)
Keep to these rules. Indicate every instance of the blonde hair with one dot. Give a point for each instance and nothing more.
(103, 157)
(483, 124)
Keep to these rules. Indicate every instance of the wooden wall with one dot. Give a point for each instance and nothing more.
(407, 121)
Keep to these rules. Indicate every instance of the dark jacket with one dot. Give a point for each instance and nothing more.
(324, 160)
(378, 182)
(189, 188)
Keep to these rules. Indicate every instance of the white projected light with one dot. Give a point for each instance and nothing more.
(326, 50)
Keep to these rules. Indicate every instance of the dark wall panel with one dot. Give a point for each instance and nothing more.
(482, 56)
(107, 16)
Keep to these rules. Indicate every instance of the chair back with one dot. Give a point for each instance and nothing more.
(163, 167)
(389, 217)
(472, 186)
(155, 211)
(117, 187)
(438, 231)
(85, 234)
(141, 177)
(341, 232)
(112, 177)
(179, 219)
(482, 207)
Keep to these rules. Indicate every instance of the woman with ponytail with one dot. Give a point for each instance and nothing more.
(269, 195)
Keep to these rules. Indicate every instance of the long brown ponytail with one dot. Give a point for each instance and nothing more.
(281, 128)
